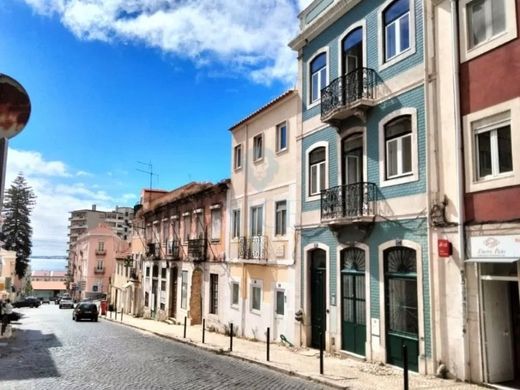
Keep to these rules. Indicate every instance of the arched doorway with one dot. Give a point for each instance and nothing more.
(173, 293)
(401, 302)
(353, 301)
(318, 276)
(196, 297)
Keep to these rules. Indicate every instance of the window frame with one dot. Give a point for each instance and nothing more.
(184, 290)
(276, 292)
(216, 211)
(397, 22)
(213, 293)
(312, 103)
(262, 147)
(279, 127)
(186, 233)
(233, 284)
(255, 284)
(254, 227)
(235, 223)
(237, 160)
(280, 231)
(491, 128)
(311, 148)
(399, 139)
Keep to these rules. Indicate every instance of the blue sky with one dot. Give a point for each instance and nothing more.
(114, 82)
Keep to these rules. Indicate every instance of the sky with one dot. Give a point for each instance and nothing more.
(115, 83)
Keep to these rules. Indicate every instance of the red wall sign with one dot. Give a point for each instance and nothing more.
(444, 247)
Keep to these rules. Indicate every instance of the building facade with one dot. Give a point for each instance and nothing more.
(7, 274)
(48, 284)
(262, 209)
(365, 285)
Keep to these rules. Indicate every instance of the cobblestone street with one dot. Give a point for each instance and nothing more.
(50, 351)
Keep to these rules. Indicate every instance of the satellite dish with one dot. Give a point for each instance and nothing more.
(15, 107)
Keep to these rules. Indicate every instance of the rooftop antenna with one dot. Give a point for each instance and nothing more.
(149, 172)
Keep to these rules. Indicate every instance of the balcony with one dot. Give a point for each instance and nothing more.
(99, 270)
(197, 249)
(253, 248)
(101, 252)
(349, 203)
(174, 250)
(153, 250)
(349, 95)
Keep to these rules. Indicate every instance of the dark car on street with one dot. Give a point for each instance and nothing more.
(85, 310)
(27, 302)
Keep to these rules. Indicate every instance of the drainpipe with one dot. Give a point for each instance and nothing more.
(460, 187)
(244, 208)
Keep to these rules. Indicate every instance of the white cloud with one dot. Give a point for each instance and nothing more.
(83, 173)
(247, 36)
(28, 161)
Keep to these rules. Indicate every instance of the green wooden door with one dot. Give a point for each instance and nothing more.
(402, 324)
(318, 296)
(353, 301)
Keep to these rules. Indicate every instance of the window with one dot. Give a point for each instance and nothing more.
(237, 159)
(155, 271)
(146, 298)
(317, 171)
(199, 221)
(215, 224)
(493, 150)
(175, 228)
(280, 302)
(213, 293)
(396, 20)
(486, 19)
(235, 293)
(184, 289)
(256, 297)
(147, 271)
(281, 218)
(235, 232)
(163, 273)
(256, 220)
(281, 137)
(99, 264)
(101, 246)
(318, 81)
(166, 231)
(258, 147)
(163, 285)
(187, 227)
(398, 147)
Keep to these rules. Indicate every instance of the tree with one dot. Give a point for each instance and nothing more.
(16, 230)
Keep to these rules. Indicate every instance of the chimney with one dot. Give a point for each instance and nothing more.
(93, 207)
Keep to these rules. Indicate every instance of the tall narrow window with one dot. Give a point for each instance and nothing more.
(166, 231)
(257, 220)
(494, 153)
(213, 293)
(396, 18)
(281, 218)
(237, 160)
(200, 225)
(187, 227)
(486, 19)
(258, 147)
(256, 298)
(317, 171)
(235, 224)
(281, 137)
(398, 144)
(215, 224)
(184, 289)
(280, 302)
(175, 229)
(235, 291)
(318, 79)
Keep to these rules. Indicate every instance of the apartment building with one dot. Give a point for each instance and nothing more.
(364, 229)
(263, 204)
(184, 264)
(7, 274)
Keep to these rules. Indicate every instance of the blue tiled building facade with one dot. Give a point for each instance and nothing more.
(364, 232)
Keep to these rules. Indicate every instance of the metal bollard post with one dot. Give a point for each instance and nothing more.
(321, 353)
(405, 366)
(185, 319)
(230, 337)
(268, 341)
(203, 329)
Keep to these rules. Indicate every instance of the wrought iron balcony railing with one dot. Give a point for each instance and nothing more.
(252, 248)
(349, 201)
(99, 270)
(344, 92)
(197, 249)
(100, 251)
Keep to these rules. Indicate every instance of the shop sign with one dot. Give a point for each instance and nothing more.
(495, 246)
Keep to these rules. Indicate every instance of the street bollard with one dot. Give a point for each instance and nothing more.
(321, 353)
(203, 329)
(230, 337)
(268, 341)
(121, 315)
(405, 367)
(185, 319)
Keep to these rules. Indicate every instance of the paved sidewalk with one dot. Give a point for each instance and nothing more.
(303, 362)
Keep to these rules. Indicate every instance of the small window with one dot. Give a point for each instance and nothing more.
(281, 218)
(396, 18)
(187, 227)
(155, 271)
(398, 147)
(494, 153)
(257, 227)
(213, 293)
(235, 232)
(166, 231)
(199, 228)
(237, 159)
(317, 171)
(235, 290)
(175, 229)
(258, 147)
(163, 285)
(215, 224)
(256, 298)
(280, 302)
(486, 19)
(318, 79)
(184, 289)
(281, 137)
(146, 298)
(101, 246)
(163, 273)
(148, 271)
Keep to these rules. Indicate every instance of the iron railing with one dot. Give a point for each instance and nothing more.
(197, 249)
(101, 251)
(342, 92)
(99, 270)
(253, 248)
(349, 201)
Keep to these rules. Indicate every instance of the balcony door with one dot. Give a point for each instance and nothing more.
(352, 48)
(353, 189)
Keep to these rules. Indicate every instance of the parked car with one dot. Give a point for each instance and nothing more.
(85, 310)
(58, 298)
(27, 302)
(66, 303)
(45, 300)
